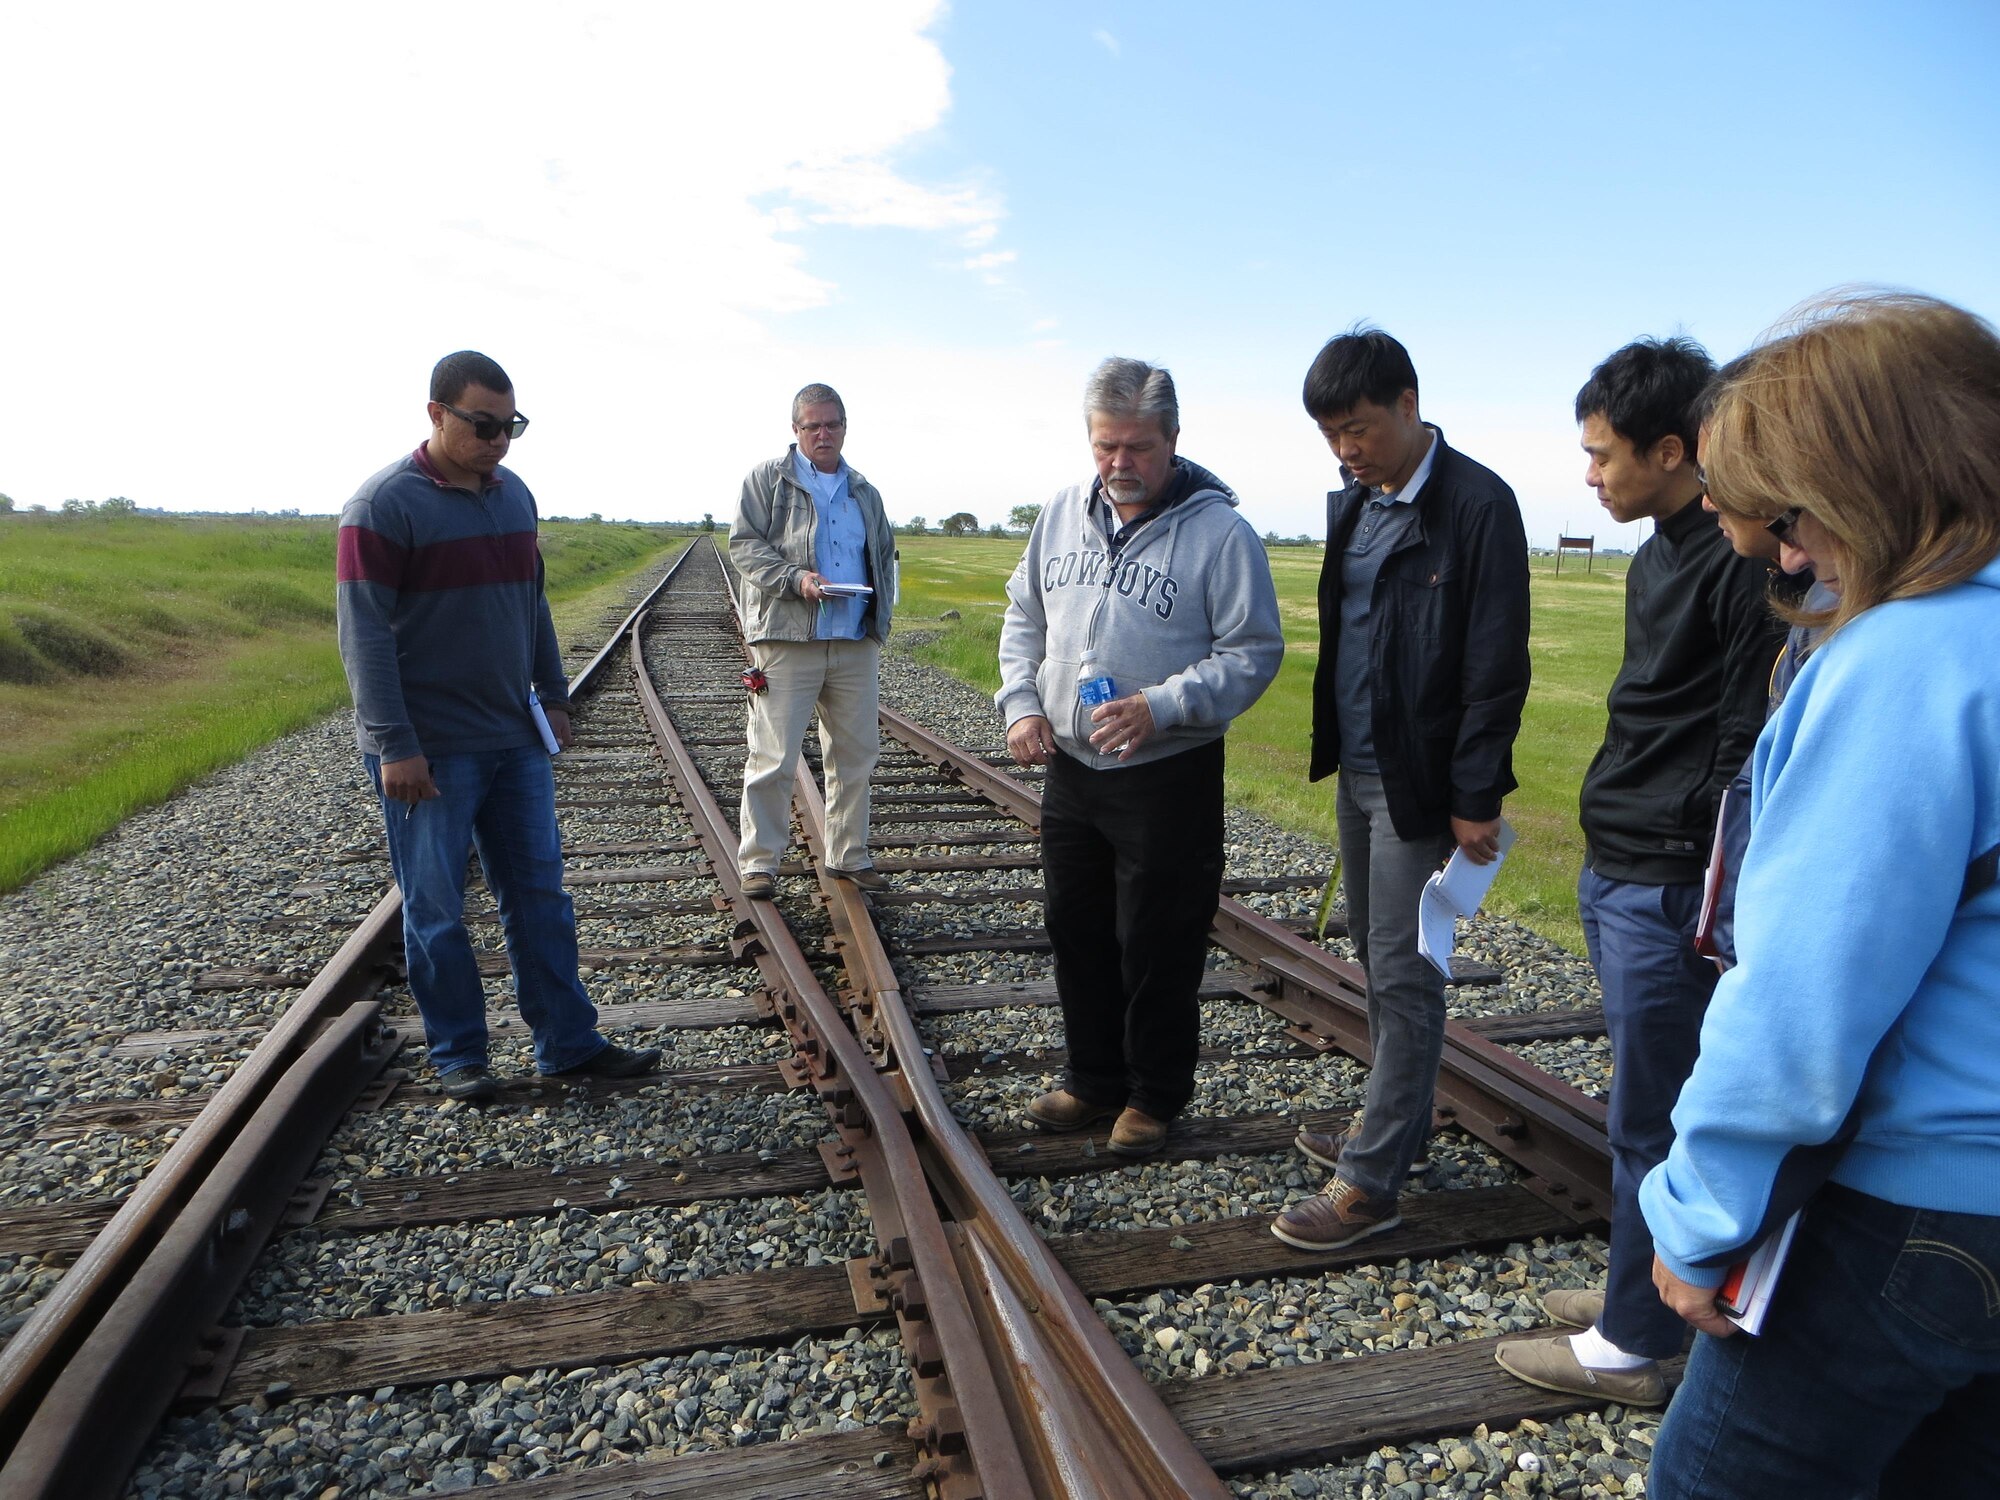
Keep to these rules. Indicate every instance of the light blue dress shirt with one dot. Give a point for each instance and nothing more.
(840, 548)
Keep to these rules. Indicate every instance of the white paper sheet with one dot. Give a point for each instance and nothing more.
(542, 724)
(1456, 891)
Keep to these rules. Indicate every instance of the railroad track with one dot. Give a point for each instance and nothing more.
(1020, 1362)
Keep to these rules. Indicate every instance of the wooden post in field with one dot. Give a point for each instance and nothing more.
(1587, 545)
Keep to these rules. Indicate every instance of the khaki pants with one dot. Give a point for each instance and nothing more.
(841, 680)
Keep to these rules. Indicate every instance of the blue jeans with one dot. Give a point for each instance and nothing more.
(1382, 879)
(503, 803)
(1879, 1363)
(1656, 989)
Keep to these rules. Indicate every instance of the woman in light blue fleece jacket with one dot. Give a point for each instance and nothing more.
(1857, 1042)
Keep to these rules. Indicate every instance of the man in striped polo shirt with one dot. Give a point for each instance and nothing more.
(444, 631)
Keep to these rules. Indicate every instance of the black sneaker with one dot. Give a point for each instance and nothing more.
(471, 1083)
(614, 1062)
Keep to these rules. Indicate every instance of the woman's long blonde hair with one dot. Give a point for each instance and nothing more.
(1878, 413)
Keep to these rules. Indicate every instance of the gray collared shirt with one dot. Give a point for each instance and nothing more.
(1384, 521)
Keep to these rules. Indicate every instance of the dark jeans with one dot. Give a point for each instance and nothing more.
(1879, 1361)
(503, 803)
(1132, 860)
(1656, 989)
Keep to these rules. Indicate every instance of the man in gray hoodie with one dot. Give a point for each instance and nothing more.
(1149, 576)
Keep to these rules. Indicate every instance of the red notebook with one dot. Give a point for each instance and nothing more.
(1746, 1292)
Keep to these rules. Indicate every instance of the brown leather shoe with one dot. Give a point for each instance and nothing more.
(867, 879)
(1059, 1109)
(1578, 1308)
(1325, 1146)
(759, 886)
(1551, 1364)
(1341, 1214)
(1137, 1134)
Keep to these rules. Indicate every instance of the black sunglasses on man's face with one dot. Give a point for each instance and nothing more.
(486, 428)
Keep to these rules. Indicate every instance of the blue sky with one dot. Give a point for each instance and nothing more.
(255, 235)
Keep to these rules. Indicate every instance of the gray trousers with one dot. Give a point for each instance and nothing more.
(1382, 877)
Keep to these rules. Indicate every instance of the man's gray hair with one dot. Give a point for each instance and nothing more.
(1133, 388)
(813, 395)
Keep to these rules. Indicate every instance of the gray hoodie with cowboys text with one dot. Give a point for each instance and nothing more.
(1187, 615)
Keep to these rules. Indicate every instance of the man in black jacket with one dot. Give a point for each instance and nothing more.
(1686, 708)
(1423, 667)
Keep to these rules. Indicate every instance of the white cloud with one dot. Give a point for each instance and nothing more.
(279, 222)
(992, 260)
(1044, 325)
(1105, 40)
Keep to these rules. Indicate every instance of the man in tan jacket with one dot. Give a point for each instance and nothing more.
(817, 558)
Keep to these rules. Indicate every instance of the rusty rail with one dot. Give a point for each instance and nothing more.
(1088, 1420)
(69, 1318)
(967, 1439)
(1554, 1131)
(79, 1377)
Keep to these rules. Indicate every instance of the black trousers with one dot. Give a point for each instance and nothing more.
(1132, 860)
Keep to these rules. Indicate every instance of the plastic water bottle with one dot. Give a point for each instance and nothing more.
(1093, 684)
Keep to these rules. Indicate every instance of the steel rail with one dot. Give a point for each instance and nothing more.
(62, 1331)
(1553, 1130)
(1092, 1424)
(74, 1446)
(968, 1441)
(1085, 1419)
(63, 1323)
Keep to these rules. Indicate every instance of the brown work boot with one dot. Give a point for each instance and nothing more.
(1552, 1364)
(1137, 1134)
(1580, 1308)
(1059, 1109)
(759, 885)
(1341, 1214)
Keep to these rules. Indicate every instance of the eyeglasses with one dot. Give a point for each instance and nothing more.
(813, 429)
(1781, 527)
(1701, 478)
(486, 428)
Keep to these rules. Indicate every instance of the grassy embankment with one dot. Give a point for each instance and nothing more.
(138, 653)
(1577, 635)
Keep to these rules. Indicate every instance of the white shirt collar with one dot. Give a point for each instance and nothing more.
(812, 478)
(1411, 490)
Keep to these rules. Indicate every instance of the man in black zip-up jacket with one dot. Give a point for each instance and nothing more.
(1685, 709)
(1423, 669)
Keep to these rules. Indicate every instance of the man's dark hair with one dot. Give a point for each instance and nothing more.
(1362, 364)
(455, 372)
(1648, 389)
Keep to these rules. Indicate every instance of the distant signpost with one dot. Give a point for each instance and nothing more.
(1587, 545)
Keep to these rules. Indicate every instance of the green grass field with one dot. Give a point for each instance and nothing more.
(1577, 637)
(138, 653)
